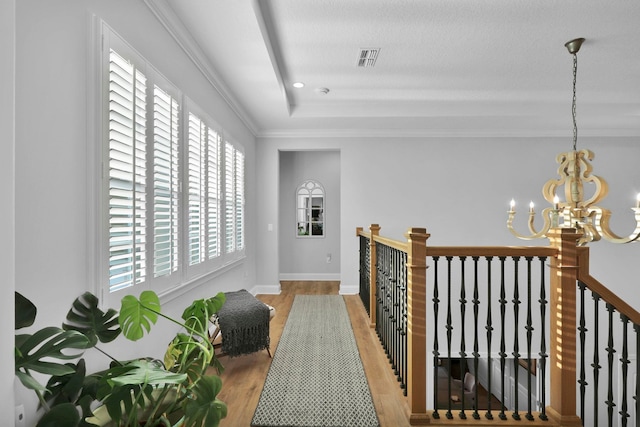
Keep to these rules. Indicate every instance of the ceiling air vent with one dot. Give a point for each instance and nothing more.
(367, 57)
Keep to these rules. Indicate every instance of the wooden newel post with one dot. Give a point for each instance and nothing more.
(374, 229)
(417, 325)
(564, 273)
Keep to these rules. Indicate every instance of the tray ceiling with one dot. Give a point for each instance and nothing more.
(444, 67)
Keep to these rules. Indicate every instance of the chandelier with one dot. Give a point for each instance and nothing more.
(577, 210)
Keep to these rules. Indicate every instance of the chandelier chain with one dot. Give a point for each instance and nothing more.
(573, 104)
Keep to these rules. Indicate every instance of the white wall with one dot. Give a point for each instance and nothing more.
(7, 207)
(53, 195)
(459, 189)
(306, 258)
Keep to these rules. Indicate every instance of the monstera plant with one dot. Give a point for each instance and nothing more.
(173, 392)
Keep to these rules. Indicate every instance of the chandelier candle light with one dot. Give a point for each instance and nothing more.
(576, 211)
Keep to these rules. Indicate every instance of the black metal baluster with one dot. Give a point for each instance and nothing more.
(625, 369)
(543, 340)
(379, 290)
(610, 351)
(403, 323)
(396, 316)
(436, 352)
(583, 330)
(476, 343)
(596, 357)
(636, 328)
(489, 329)
(387, 293)
(368, 274)
(365, 276)
(516, 342)
(503, 355)
(529, 328)
(392, 311)
(463, 354)
(449, 332)
(385, 289)
(385, 278)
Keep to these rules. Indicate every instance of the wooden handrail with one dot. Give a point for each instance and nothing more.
(595, 286)
(401, 246)
(361, 232)
(493, 251)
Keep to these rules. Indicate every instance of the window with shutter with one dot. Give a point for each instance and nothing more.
(172, 194)
(127, 174)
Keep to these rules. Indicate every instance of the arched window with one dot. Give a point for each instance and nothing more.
(310, 209)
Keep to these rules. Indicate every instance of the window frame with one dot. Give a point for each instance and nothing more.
(184, 276)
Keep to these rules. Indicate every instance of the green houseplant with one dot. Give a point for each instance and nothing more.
(176, 392)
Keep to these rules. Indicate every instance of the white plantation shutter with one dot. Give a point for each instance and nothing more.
(127, 174)
(165, 183)
(196, 183)
(234, 199)
(204, 191)
(213, 194)
(238, 193)
(229, 208)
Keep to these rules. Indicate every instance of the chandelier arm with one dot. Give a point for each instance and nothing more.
(601, 217)
(589, 234)
(546, 215)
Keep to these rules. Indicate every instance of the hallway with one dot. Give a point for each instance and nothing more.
(244, 376)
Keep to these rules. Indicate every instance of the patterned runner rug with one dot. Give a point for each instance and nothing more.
(316, 378)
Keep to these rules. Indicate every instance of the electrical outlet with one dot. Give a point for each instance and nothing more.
(328, 258)
(19, 416)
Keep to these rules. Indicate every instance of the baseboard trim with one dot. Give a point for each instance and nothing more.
(349, 290)
(266, 289)
(313, 277)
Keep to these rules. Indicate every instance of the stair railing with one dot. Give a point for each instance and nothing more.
(545, 332)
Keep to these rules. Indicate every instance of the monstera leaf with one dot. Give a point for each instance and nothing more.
(50, 342)
(67, 388)
(197, 315)
(76, 390)
(63, 415)
(135, 387)
(25, 311)
(143, 373)
(85, 317)
(204, 409)
(137, 315)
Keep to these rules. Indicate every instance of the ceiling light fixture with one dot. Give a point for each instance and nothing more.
(298, 85)
(575, 171)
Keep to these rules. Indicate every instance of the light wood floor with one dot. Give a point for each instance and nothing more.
(244, 376)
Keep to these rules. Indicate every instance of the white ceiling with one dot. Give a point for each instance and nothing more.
(445, 67)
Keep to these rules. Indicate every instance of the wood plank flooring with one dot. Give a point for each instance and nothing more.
(244, 376)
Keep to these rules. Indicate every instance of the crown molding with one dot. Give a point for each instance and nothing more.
(443, 133)
(183, 38)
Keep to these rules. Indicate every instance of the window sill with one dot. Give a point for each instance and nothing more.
(200, 280)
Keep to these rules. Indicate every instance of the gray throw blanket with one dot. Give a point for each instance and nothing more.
(244, 324)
